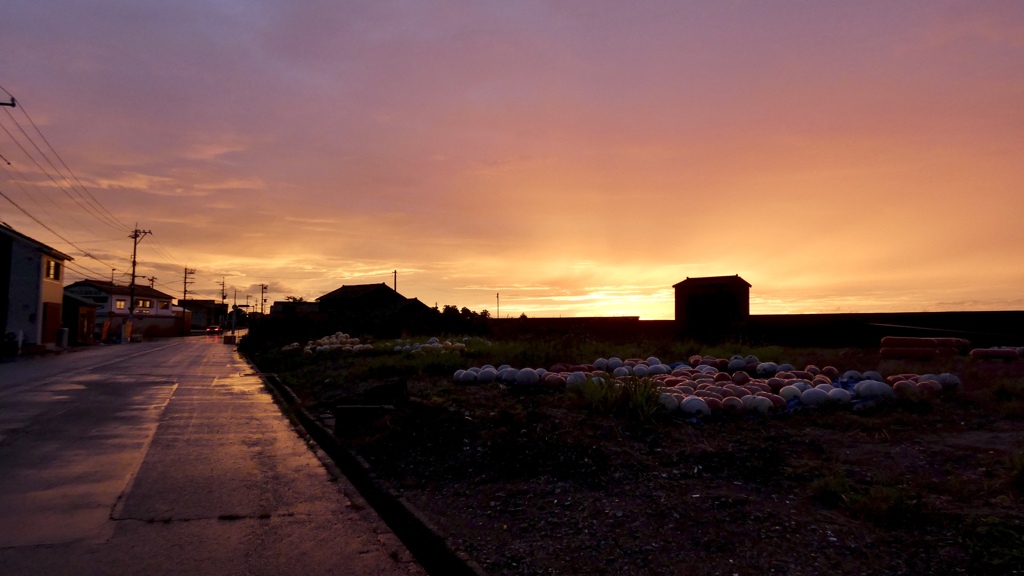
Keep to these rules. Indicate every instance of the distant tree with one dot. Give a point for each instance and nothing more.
(294, 299)
(450, 310)
(523, 315)
(485, 314)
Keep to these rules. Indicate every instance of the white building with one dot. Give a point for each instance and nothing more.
(153, 310)
(31, 287)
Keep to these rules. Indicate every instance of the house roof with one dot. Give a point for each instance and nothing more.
(71, 298)
(111, 288)
(48, 250)
(356, 290)
(708, 280)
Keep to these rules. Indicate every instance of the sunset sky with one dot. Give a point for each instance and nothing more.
(577, 157)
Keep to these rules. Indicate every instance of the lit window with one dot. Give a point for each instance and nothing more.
(120, 304)
(53, 270)
(144, 304)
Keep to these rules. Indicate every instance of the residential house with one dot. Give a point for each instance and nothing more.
(154, 313)
(205, 312)
(376, 309)
(294, 308)
(31, 288)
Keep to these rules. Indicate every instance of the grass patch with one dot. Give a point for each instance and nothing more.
(894, 504)
(1016, 462)
(994, 545)
(831, 490)
(633, 398)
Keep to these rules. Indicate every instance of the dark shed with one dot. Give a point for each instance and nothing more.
(712, 305)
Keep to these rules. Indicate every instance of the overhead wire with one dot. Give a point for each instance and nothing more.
(95, 202)
(85, 206)
(91, 204)
(93, 207)
(32, 197)
(52, 231)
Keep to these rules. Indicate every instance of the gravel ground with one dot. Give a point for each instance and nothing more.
(540, 483)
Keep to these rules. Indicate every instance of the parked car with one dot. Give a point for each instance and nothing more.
(214, 330)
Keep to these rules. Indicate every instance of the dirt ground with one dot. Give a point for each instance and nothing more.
(535, 481)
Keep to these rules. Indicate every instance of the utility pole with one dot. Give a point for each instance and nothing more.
(112, 270)
(234, 312)
(12, 103)
(263, 291)
(152, 281)
(187, 282)
(396, 281)
(497, 299)
(223, 295)
(136, 236)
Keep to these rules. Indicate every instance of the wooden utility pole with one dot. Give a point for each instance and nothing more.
(136, 236)
(186, 283)
(263, 300)
(395, 286)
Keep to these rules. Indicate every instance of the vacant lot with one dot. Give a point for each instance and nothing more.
(539, 480)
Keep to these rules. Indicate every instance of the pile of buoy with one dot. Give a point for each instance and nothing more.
(431, 345)
(705, 385)
(339, 341)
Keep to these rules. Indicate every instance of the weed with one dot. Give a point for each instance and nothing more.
(601, 396)
(890, 504)
(897, 505)
(832, 489)
(1016, 462)
(994, 545)
(641, 398)
(634, 398)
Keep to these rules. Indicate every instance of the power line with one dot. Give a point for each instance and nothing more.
(52, 231)
(87, 208)
(64, 164)
(33, 196)
(92, 205)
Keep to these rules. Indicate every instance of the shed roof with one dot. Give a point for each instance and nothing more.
(708, 280)
(111, 288)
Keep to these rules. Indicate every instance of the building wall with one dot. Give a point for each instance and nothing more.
(703, 307)
(24, 300)
(53, 288)
(108, 309)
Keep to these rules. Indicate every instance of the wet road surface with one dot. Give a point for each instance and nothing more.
(169, 457)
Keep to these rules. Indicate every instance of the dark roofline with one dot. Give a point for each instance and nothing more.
(354, 290)
(81, 301)
(48, 250)
(713, 280)
(111, 288)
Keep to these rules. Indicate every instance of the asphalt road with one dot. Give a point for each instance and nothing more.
(170, 457)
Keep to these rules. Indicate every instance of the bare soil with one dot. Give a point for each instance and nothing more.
(535, 481)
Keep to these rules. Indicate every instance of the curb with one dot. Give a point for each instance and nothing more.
(423, 540)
